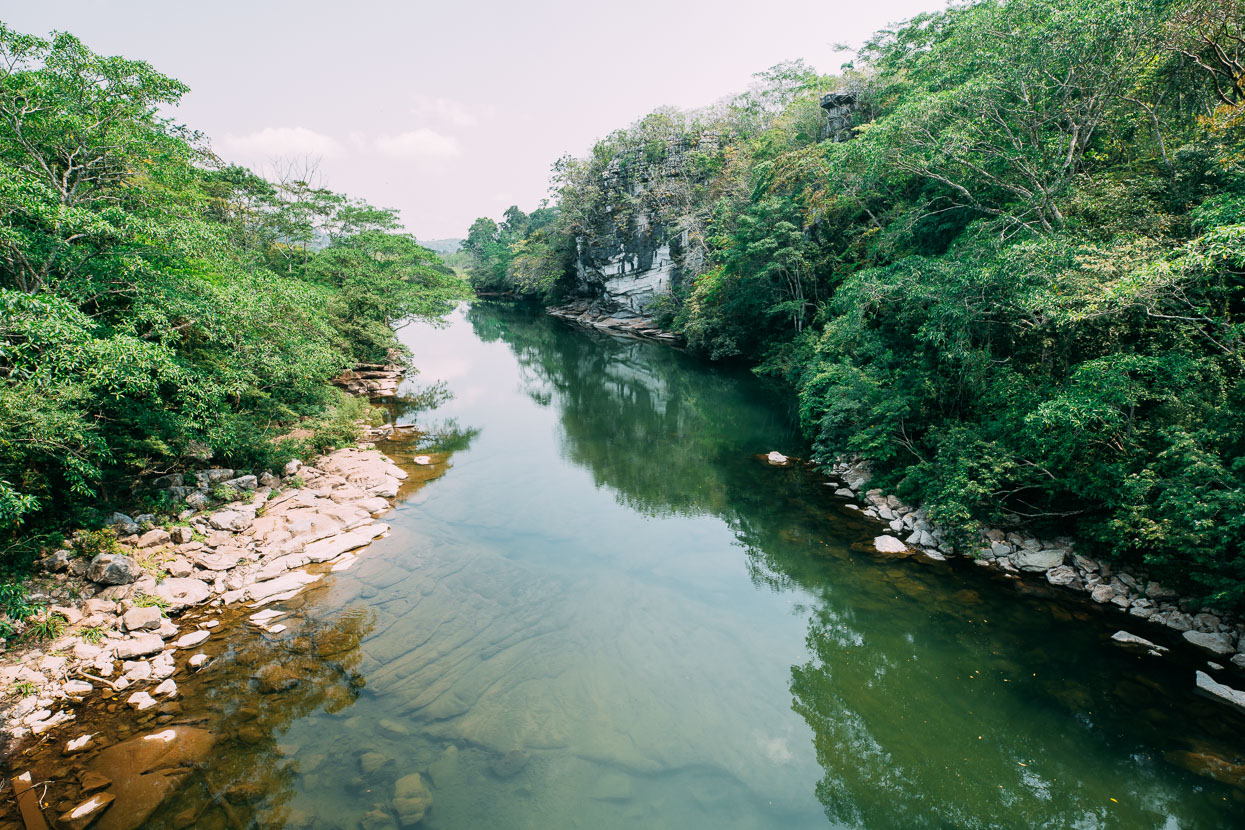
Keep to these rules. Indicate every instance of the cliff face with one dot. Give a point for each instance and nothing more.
(637, 249)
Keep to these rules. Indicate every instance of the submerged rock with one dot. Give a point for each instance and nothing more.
(81, 816)
(509, 764)
(146, 770)
(411, 799)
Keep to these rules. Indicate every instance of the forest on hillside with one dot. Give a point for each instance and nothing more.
(1017, 287)
(160, 308)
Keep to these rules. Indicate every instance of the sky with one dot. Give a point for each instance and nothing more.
(449, 111)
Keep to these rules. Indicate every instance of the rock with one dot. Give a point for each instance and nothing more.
(81, 816)
(168, 688)
(142, 619)
(613, 786)
(139, 646)
(1156, 591)
(56, 561)
(371, 762)
(78, 744)
(181, 592)
(86, 651)
(136, 672)
(889, 544)
(1179, 621)
(509, 764)
(1125, 638)
(292, 468)
(198, 500)
(777, 458)
(179, 568)
(230, 520)
(167, 481)
(1035, 561)
(197, 660)
(1214, 643)
(77, 688)
(1062, 575)
(1102, 593)
(267, 479)
(113, 569)
(215, 475)
(192, 639)
(411, 799)
(334, 546)
(182, 535)
(146, 770)
(277, 677)
(1207, 687)
(242, 483)
(152, 538)
(141, 701)
(124, 524)
(377, 819)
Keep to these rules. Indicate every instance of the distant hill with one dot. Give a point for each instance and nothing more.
(442, 246)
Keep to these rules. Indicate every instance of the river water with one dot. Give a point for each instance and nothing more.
(599, 609)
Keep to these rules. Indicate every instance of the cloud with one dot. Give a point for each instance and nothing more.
(282, 142)
(419, 144)
(444, 110)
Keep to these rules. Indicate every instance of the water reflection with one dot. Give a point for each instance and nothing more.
(936, 696)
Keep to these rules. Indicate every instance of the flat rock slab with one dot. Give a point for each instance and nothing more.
(139, 646)
(327, 549)
(1214, 643)
(1127, 639)
(182, 592)
(1207, 686)
(260, 591)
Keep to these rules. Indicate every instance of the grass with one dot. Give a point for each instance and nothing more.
(48, 628)
(25, 689)
(91, 633)
(142, 600)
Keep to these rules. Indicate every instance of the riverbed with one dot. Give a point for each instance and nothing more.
(606, 610)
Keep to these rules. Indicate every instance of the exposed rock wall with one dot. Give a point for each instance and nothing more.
(638, 250)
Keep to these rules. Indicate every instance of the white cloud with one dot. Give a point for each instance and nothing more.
(444, 110)
(420, 144)
(282, 142)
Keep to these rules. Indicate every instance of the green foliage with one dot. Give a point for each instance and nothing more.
(93, 634)
(154, 301)
(91, 543)
(142, 600)
(1017, 289)
(48, 627)
(15, 600)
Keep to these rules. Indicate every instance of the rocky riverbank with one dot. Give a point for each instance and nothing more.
(621, 321)
(1219, 637)
(121, 610)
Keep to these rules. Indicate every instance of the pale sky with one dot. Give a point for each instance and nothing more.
(449, 111)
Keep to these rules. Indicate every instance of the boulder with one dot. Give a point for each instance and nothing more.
(776, 458)
(411, 799)
(1062, 575)
(1214, 643)
(142, 619)
(113, 569)
(889, 544)
(182, 592)
(139, 646)
(124, 524)
(230, 520)
(243, 483)
(1128, 639)
(154, 537)
(1036, 561)
(198, 500)
(292, 468)
(146, 770)
(179, 568)
(1102, 593)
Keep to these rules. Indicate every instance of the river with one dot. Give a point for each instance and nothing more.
(602, 610)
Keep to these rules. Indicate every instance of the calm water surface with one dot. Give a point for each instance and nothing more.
(599, 609)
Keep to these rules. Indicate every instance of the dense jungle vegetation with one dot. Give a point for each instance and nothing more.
(159, 307)
(1017, 288)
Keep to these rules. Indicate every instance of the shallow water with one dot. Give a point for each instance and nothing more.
(600, 609)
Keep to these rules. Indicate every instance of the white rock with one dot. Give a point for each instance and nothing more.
(1128, 639)
(141, 701)
(192, 639)
(197, 660)
(140, 646)
(1207, 686)
(166, 689)
(78, 744)
(889, 544)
